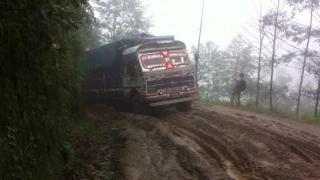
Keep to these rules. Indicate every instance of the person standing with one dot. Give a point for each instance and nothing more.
(238, 88)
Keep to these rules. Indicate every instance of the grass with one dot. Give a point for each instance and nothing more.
(307, 119)
(302, 118)
(251, 106)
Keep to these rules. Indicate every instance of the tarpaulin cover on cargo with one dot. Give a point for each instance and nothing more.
(109, 54)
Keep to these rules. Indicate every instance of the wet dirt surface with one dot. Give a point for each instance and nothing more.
(214, 142)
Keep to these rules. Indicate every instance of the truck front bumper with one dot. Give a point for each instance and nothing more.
(168, 98)
(162, 103)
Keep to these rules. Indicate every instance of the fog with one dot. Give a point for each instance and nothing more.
(223, 22)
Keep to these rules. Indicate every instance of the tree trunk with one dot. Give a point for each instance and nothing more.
(259, 64)
(317, 100)
(273, 54)
(305, 59)
(258, 81)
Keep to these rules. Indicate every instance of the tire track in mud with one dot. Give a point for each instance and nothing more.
(215, 149)
(165, 152)
(183, 157)
(224, 164)
(205, 144)
(293, 144)
(209, 131)
(296, 146)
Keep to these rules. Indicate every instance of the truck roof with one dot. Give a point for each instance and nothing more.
(155, 46)
(109, 54)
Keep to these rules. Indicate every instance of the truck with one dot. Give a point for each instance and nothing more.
(143, 71)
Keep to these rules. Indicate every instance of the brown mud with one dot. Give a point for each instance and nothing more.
(214, 142)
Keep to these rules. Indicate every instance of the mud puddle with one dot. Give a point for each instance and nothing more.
(234, 173)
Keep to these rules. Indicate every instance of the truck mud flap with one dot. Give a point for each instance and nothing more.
(171, 101)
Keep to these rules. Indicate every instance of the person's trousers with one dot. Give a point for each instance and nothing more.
(237, 93)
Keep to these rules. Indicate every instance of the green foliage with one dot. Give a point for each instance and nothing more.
(40, 84)
(120, 18)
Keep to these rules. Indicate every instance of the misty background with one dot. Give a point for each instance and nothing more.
(230, 43)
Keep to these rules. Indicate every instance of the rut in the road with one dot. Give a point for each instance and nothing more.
(205, 144)
(293, 144)
(215, 148)
(156, 150)
(256, 151)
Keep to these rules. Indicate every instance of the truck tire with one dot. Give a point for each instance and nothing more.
(137, 106)
(184, 106)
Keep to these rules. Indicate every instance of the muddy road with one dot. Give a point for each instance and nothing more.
(214, 142)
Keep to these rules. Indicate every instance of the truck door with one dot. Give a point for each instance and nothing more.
(131, 75)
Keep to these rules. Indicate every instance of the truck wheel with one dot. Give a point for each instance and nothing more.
(184, 106)
(138, 107)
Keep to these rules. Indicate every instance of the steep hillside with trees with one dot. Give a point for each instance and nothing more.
(41, 45)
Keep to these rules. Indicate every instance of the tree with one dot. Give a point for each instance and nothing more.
(261, 37)
(275, 17)
(317, 100)
(282, 92)
(259, 48)
(239, 56)
(277, 22)
(240, 59)
(313, 67)
(209, 69)
(283, 97)
(299, 34)
(301, 6)
(120, 18)
(305, 57)
(94, 32)
(41, 45)
(218, 68)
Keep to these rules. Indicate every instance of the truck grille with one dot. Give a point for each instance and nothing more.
(170, 84)
(172, 89)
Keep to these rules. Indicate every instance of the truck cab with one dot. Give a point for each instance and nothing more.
(158, 74)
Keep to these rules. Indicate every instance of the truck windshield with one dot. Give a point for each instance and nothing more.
(178, 58)
(157, 60)
(153, 60)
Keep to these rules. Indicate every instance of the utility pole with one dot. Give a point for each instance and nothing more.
(197, 56)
